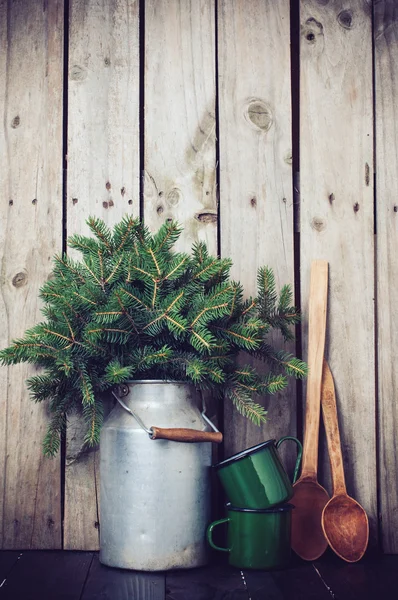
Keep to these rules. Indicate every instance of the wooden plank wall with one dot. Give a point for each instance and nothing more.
(256, 205)
(180, 122)
(386, 90)
(336, 216)
(103, 179)
(195, 97)
(31, 67)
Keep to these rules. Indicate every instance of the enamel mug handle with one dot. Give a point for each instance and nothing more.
(299, 453)
(209, 534)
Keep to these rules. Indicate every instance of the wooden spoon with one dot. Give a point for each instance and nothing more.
(309, 499)
(344, 521)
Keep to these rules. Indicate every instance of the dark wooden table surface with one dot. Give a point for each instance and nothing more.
(57, 575)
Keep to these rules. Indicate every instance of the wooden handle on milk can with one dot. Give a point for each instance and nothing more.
(180, 434)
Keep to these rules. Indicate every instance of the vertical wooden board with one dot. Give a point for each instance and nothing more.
(103, 180)
(386, 78)
(31, 67)
(218, 582)
(180, 123)
(374, 576)
(48, 575)
(301, 582)
(256, 207)
(81, 522)
(8, 560)
(103, 111)
(124, 584)
(336, 217)
(180, 126)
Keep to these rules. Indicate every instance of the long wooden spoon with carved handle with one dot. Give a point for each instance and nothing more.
(344, 521)
(310, 498)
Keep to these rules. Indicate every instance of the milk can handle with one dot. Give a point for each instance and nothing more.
(177, 434)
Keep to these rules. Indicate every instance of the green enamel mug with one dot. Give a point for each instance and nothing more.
(256, 478)
(257, 539)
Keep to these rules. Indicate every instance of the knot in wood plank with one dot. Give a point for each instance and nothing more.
(207, 216)
(344, 18)
(20, 279)
(311, 30)
(78, 73)
(174, 196)
(258, 113)
(318, 223)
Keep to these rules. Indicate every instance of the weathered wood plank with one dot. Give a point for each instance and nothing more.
(256, 208)
(109, 583)
(8, 560)
(386, 78)
(215, 582)
(336, 217)
(180, 127)
(81, 525)
(261, 584)
(48, 575)
(373, 577)
(103, 115)
(31, 65)
(103, 180)
(300, 582)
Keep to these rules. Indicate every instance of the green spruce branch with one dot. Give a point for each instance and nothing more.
(132, 308)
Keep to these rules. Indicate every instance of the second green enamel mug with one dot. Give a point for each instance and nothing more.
(256, 478)
(257, 539)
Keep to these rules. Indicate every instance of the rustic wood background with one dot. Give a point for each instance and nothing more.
(269, 130)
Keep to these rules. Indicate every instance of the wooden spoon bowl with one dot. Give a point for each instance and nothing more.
(346, 528)
(344, 521)
(309, 500)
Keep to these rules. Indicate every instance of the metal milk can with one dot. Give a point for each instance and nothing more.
(154, 484)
